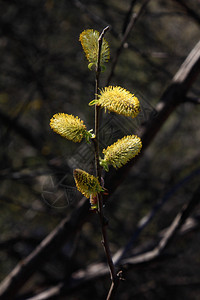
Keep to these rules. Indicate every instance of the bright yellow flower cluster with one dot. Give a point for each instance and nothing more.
(87, 184)
(119, 153)
(89, 41)
(112, 98)
(118, 100)
(68, 126)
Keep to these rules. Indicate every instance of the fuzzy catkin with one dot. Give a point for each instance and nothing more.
(119, 153)
(119, 100)
(68, 126)
(87, 184)
(89, 41)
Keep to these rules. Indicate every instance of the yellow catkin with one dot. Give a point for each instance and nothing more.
(87, 184)
(68, 126)
(118, 100)
(119, 153)
(89, 42)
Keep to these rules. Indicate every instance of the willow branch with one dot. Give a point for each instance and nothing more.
(103, 221)
(64, 231)
(97, 108)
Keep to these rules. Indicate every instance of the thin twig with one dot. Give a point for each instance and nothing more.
(98, 270)
(103, 221)
(97, 108)
(178, 221)
(190, 12)
(26, 267)
(133, 20)
(121, 253)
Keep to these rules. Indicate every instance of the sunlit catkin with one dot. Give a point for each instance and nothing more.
(87, 184)
(70, 127)
(119, 153)
(118, 100)
(89, 41)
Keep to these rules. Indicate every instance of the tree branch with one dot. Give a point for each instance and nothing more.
(64, 231)
(98, 270)
(24, 270)
(133, 19)
(191, 12)
(169, 234)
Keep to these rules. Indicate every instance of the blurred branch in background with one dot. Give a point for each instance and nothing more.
(128, 26)
(96, 271)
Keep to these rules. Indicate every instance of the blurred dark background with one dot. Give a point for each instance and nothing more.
(43, 70)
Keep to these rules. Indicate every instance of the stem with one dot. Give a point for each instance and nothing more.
(103, 220)
(97, 108)
(113, 289)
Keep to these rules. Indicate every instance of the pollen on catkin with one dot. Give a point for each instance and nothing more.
(87, 184)
(89, 41)
(68, 126)
(119, 153)
(118, 100)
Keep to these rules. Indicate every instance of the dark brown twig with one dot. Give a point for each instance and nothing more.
(20, 274)
(100, 270)
(169, 234)
(133, 20)
(103, 221)
(97, 108)
(191, 12)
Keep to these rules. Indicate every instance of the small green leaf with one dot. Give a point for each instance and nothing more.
(103, 164)
(103, 68)
(93, 102)
(90, 66)
(89, 135)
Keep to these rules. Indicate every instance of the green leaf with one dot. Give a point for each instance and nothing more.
(90, 66)
(93, 102)
(103, 68)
